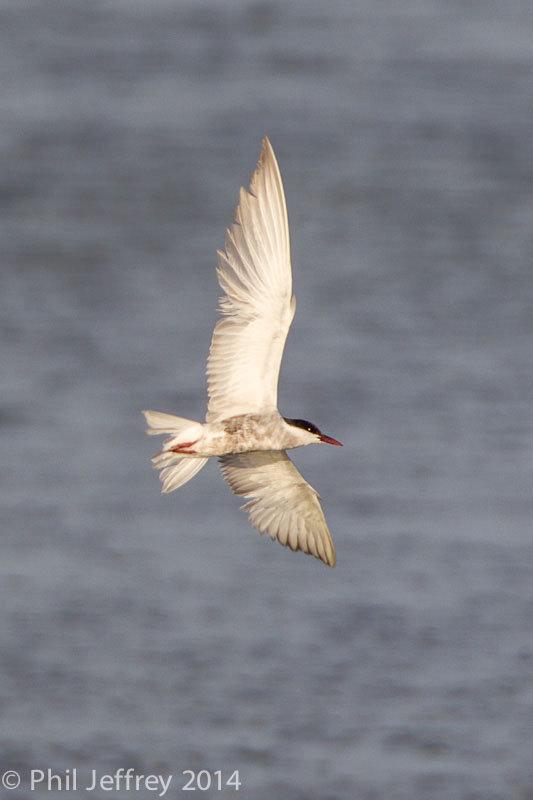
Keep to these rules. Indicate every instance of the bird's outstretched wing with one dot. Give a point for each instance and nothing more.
(281, 503)
(255, 273)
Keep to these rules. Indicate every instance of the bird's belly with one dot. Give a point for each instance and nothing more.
(240, 434)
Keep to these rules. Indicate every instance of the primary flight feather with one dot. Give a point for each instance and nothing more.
(243, 426)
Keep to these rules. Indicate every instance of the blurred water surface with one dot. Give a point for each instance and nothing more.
(161, 632)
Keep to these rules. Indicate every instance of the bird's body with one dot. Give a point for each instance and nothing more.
(242, 433)
(239, 434)
(243, 427)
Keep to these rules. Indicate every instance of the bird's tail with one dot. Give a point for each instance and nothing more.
(176, 468)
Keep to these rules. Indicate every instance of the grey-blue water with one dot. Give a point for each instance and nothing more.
(161, 632)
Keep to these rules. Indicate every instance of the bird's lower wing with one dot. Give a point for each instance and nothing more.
(280, 502)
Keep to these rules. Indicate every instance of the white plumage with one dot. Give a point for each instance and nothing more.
(243, 425)
(281, 502)
(258, 308)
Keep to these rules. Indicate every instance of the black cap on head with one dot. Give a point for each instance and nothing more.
(304, 424)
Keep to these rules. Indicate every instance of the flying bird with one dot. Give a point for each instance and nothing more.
(243, 426)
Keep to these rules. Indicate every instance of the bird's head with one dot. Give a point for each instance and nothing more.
(315, 435)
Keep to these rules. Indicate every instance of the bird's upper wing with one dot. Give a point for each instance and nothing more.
(255, 273)
(281, 503)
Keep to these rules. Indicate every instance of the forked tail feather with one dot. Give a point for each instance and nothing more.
(176, 469)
